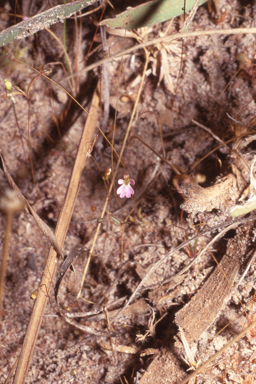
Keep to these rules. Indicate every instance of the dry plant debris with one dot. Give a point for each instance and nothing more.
(120, 320)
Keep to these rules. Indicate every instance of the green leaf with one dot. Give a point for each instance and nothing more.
(41, 21)
(239, 210)
(150, 13)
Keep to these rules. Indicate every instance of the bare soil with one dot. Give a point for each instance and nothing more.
(136, 233)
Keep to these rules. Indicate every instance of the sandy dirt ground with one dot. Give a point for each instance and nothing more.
(177, 197)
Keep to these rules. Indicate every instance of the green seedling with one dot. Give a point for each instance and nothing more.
(192, 249)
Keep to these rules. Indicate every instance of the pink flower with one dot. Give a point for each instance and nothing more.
(125, 190)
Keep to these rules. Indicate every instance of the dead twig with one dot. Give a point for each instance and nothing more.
(218, 354)
(41, 224)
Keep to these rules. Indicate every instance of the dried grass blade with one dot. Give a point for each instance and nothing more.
(61, 230)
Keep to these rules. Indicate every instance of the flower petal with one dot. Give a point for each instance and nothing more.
(121, 191)
(129, 191)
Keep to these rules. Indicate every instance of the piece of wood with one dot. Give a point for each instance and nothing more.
(164, 369)
(196, 316)
(218, 196)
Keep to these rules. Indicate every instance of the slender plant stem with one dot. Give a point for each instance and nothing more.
(115, 172)
(9, 217)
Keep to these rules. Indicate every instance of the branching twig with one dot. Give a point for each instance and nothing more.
(169, 38)
(157, 265)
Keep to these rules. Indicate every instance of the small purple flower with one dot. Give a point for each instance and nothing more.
(125, 190)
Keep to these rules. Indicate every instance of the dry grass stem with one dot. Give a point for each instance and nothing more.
(60, 233)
